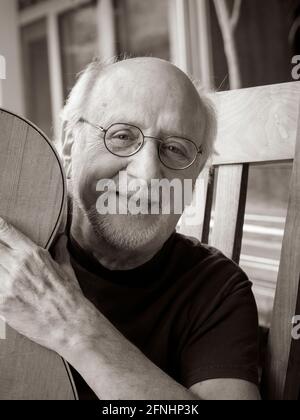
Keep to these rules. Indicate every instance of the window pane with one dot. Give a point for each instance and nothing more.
(36, 75)
(78, 36)
(142, 27)
(267, 36)
(25, 4)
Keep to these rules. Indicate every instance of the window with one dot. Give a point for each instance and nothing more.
(265, 36)
(36, 75)
(78, 37)
(72, 35)
(142, 27)
(294, 34)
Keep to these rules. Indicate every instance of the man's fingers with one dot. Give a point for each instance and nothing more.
(12, 238)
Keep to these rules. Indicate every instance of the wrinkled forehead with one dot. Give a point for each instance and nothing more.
(147, 94)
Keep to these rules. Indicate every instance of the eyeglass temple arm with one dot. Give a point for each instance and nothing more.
(98, 127)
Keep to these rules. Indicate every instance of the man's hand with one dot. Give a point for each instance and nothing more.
(39, 297)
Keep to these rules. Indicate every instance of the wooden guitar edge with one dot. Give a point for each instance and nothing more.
(64, 198)
(71, 379)
(57, 225)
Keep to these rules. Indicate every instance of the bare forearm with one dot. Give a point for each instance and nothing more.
(117, 370)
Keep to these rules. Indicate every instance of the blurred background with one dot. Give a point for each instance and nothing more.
(46, 43)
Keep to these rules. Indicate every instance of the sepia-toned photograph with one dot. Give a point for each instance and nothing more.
(149, 202)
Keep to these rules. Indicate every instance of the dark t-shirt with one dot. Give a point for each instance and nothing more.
(190, 310)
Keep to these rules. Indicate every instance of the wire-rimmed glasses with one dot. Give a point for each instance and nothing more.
(126, 140)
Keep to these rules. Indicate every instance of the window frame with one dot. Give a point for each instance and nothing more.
(50, 12)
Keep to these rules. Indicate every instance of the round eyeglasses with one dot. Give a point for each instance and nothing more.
(126, 140)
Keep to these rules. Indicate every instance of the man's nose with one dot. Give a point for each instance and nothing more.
(146, 164)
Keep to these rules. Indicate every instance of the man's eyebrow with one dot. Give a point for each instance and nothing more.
(174, 133)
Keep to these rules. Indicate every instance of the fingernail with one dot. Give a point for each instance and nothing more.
(2, 222)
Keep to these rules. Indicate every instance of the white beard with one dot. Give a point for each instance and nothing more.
(125, 232)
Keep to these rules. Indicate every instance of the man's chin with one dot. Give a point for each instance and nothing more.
(129, 232)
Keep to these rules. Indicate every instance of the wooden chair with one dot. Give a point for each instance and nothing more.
(260, 125)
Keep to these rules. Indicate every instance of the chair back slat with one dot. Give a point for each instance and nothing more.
(191, 223)
(230, 209)
(208, 197)
(282, 364)
(259, 126)
(292, 383)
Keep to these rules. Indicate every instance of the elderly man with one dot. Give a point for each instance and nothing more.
(138, 310)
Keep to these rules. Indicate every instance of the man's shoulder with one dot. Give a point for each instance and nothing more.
(207, 262)
(212, 278)
(197, 250)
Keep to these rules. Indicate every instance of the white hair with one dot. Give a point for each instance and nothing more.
(78, 97)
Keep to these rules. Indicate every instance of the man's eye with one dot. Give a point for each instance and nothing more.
(124, 136)
(175, 150)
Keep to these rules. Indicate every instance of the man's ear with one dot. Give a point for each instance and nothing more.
(66, 151)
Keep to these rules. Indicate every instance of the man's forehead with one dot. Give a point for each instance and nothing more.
(136, 88)
(146, 75)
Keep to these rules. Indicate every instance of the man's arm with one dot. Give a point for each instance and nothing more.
(116, 369)
(226, 389)
(42, 300)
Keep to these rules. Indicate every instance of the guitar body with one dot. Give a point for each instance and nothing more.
(32, 198)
